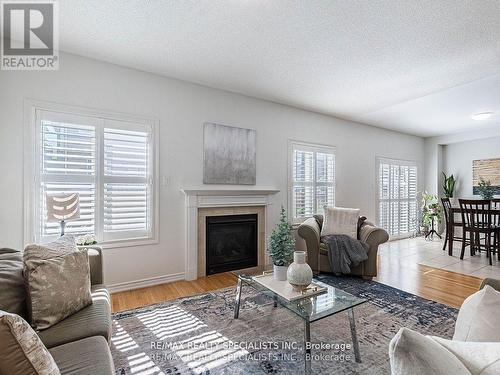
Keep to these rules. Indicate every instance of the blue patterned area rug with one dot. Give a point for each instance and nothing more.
(198, 335)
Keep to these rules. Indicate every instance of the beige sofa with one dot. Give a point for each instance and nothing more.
(474, 348)
(79, 344)
(310, 231)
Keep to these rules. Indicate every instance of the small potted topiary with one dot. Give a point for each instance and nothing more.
(281, 247)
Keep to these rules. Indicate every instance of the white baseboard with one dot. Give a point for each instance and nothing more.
(143, 283)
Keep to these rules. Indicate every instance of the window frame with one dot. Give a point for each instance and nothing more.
(32, 110)
(314, 147)
(400, 162)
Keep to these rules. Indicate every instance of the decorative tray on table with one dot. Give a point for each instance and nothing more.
(285, 290)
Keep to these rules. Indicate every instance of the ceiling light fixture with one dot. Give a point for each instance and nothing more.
(481, 116)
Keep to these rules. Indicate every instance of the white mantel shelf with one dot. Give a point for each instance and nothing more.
(201, 198)
(229, 191)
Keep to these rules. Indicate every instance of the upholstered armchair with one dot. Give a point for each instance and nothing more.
(310, 231)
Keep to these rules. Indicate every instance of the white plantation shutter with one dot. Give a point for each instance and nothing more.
(397, 196)
(325, 181)
(68, 149)
(125, 152)
(303, 184)
(67, 161)
(127, 190)
(125, 207)
(108, 162)
(312, 179)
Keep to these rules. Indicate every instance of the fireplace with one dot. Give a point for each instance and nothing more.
(204, 203)
(231, 242)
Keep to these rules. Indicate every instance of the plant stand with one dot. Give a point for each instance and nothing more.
(432, 231)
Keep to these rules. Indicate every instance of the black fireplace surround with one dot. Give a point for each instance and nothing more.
(231, 243)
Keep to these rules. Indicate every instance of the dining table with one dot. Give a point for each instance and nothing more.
(451, 220)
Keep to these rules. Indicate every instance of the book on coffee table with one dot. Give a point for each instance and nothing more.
(285, 290)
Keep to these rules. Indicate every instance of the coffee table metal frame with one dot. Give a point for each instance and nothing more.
(309, 317)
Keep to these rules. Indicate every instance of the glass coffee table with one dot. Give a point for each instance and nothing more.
(310, 309)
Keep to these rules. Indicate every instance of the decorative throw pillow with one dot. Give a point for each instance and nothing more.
(338, 220)
(21, 351)
(57, 277)
(479, 318)
(412, 353)
(63, 245)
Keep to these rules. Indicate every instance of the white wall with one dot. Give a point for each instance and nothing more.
(434, 152)
(458, 157)
(182, 108)
(433, 167)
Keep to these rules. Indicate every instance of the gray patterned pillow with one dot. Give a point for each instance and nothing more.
(57, 277)
(21, 351)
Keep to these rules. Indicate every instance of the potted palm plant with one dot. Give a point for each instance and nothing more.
(281, 247)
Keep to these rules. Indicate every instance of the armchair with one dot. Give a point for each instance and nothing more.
(310, 231)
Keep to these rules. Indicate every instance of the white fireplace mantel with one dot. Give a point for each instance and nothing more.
(201, 198)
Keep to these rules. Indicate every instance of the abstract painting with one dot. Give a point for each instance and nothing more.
(489, 170)
(229, 155)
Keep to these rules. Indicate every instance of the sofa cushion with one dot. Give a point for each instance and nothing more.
(21, 351)
(339, 220)
(412, 353)
(478, 318)
(12, 292)
(57, 276)
(83, 357)
(494, 283)
(93, 320)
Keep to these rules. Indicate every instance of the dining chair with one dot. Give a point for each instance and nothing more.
(477, 219)
(495, 206)
(447, 208)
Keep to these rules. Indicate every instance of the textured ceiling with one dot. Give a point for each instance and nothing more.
(395, 63)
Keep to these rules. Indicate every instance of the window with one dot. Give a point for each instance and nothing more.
(397, 196)
(109, 162)
(312, 179)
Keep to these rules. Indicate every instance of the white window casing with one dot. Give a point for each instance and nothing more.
(109, 159)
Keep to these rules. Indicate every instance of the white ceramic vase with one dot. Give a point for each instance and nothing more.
(279, 272)
(299, 273)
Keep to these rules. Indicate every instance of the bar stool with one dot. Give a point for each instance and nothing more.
(447, 209)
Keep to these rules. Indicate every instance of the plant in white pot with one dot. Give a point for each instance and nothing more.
(281, 247)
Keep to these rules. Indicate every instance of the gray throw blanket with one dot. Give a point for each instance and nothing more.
(345, 252)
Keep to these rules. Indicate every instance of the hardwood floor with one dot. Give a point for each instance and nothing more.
(447, 287)
(402, 272)
(164, 292)
(414, 265)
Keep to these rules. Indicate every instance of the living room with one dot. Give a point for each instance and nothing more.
(163, 125)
